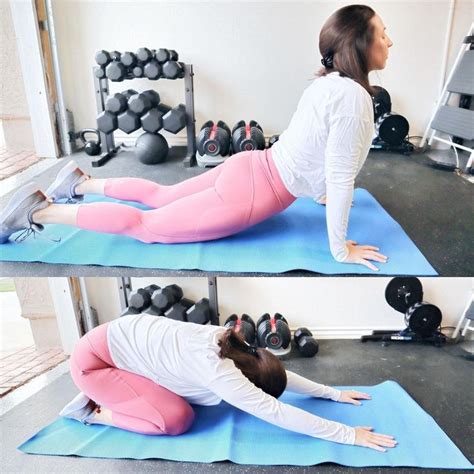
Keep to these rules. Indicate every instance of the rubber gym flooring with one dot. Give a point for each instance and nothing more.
(435, 208)
(439, 379)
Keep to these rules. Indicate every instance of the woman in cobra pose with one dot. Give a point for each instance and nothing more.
(319, 155)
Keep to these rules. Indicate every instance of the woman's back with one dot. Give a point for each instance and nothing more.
(300, 152)
(182, 357)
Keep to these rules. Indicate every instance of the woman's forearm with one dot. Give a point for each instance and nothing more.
(298, 384)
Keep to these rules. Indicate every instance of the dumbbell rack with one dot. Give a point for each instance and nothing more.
(108, 147)
(125, 288)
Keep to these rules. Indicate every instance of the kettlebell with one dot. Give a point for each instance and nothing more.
(91, 147)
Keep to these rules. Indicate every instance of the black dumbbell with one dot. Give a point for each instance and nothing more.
(273, 139)
(115, 55)
(214, 139)
(163, 55)
(153, 70)
(273, 331)
(199, 313)
(304, 340)
(152, 121)
(128, 93)
(139, 104)
(100, 73)
(115, 70)
(247, 137)
(163, 108)
(175, 119)
(116, 103)
(164, 298)
(178, 310)
(243, 325)
(102, 58)
(144, 55)
(137, 71)
(153, 96)
(128, 59)
(173, 55)
(139, 300)
(128, 122)
(107, 122)
(173, 70)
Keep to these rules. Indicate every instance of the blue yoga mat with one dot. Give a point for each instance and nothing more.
(295, 239)
(223, 432)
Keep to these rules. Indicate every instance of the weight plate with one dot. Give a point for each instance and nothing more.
(273, 340)
(392, 128)
(382, 101)
(423, 318)
(403, 292)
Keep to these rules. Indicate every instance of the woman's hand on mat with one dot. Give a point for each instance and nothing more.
(367, 438)
(362, 254)
(322, 201)
(352, 396)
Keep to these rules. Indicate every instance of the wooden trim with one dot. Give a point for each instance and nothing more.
(43, 117)
(42, 19)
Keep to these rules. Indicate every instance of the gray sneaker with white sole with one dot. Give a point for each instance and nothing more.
(65, 183)
(80, 408)
(18, 213)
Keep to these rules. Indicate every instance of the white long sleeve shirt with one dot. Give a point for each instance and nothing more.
(324, 147)
(184, 358)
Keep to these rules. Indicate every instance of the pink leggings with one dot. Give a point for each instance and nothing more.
(137, 403)
(245, 190)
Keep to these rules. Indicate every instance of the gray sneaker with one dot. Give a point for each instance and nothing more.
(80, 408)
(63, 187)
(18, 213)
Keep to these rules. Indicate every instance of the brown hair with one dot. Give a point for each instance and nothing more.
(260, 366)
(344, 42)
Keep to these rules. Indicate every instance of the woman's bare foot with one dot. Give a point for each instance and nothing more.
(101, 416)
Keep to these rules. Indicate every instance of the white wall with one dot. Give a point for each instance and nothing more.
(14, 114)
(103, 295)
(252, 59)
(331, 307)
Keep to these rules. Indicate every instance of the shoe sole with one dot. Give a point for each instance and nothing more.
(18, 196)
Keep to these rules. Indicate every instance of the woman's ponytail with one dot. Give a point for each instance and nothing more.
(260, 366)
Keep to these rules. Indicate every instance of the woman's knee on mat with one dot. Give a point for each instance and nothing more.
(178, 417)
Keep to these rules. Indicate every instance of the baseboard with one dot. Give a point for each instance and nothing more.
(129, 140)
(345, 333)
(173, 140)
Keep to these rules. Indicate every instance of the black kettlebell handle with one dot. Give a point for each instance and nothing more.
(82, 135)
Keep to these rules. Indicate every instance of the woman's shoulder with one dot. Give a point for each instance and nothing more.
(341, 95)
(337, 86)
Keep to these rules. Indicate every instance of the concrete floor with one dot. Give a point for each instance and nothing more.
(439, 379)
(434, 207)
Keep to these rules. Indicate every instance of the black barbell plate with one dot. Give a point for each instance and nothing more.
(392, 128)
(423, 318)
(402, 292)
